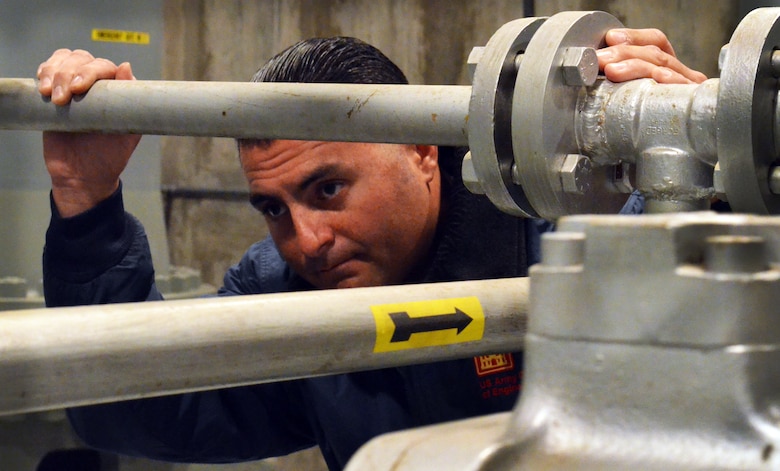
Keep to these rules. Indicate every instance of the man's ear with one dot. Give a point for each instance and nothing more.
(429, 160)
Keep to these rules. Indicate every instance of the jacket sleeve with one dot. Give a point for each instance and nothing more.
(102, 256)
(98, 257)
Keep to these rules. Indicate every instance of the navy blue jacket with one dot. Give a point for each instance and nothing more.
(102, 256)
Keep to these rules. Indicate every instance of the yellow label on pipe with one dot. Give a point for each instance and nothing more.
(419, 324)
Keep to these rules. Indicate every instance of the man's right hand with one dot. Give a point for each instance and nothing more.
(84, 168)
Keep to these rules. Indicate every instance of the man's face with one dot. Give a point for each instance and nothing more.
(346, 214)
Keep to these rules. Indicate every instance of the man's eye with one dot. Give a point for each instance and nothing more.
(273, 210)
(331, 189)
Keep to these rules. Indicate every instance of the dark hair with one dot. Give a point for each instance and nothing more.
(331, 60)
(337, 59)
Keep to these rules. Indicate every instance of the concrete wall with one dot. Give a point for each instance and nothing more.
(429, 39)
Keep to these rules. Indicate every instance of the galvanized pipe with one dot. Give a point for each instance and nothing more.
(54, 358)
(419, 114)
(620, 121)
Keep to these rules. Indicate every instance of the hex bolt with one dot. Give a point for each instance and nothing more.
(735, 254)
(576, 174)
(469, 175)
(580, 66)
(474, 57)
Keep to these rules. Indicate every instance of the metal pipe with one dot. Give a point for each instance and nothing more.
(418, 114)
(54, 358)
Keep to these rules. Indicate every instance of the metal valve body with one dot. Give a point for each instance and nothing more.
(653, 345)
(579, 144)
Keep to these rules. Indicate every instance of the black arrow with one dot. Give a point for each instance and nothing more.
(405, 326)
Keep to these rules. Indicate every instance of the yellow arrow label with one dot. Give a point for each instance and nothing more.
(117, 36)
(419, 324)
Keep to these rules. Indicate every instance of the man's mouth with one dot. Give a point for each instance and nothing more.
(333, 266)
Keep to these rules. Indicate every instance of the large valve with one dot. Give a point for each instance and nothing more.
(559, 140)
(521, 126)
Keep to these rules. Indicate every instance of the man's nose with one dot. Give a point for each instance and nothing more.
(313, 232)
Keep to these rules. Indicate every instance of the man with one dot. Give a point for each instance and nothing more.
(340, 215)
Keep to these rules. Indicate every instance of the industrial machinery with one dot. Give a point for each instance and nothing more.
(651, 342)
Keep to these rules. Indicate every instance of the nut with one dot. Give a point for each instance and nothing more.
(576, 173)
(580, 66)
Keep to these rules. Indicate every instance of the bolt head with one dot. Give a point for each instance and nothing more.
(580, 66)
(576, 173)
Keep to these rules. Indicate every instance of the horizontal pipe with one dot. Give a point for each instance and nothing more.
(54, 358)
(414, 114)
